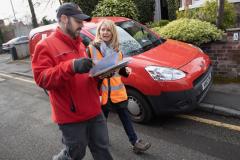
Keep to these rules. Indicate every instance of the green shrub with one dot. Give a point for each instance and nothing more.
(209, 13)
(191, 31)
(188, 13)
(123, 8)
(159, 23)
(46, 21)
(87, 6)
(145, 10)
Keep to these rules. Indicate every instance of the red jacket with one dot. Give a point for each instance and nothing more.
(73, 97)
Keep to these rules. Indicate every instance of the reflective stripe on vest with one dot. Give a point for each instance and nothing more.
(113, 88)
(118, 91)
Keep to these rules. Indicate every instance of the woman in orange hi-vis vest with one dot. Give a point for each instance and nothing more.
(113, 92)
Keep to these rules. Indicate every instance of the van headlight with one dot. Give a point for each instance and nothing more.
(164, 74)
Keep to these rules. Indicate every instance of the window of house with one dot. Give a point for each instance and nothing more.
(199, 3)
(181, 5)
(196, 3)
(233, 1)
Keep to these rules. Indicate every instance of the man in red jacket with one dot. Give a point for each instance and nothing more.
(61, 66)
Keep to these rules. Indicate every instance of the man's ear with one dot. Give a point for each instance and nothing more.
(64, 19)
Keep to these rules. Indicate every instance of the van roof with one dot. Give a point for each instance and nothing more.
(87, 25)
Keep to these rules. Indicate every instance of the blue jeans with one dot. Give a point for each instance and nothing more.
(121, 109)
(77, 136)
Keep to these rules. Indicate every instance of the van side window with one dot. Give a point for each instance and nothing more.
(85, 39)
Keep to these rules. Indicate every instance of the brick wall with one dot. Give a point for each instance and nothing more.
(225, 55)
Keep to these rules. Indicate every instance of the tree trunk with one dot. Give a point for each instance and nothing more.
(60, 2)
(220, 11)
(34, 18)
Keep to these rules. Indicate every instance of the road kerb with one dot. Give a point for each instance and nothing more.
(219, 110)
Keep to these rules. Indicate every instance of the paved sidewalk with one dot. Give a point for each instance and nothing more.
(22, 67)
(222, 99)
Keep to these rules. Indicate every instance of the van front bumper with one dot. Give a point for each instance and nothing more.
(182, 101)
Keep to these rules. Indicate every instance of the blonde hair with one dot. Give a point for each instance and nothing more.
(114, 43)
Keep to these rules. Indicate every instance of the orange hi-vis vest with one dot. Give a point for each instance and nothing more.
(113, 87)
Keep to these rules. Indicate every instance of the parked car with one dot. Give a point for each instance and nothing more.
(1, 51)
(18, 40)
(168, 76)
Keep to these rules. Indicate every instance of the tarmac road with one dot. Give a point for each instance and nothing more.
(27, 132)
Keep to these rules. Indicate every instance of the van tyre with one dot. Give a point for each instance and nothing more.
(139, 109)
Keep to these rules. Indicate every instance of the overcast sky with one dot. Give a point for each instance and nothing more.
(22, 10)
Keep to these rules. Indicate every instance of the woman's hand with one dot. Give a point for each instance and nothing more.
(128, 70)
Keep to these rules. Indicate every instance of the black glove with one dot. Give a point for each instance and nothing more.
(82, 65)
(123, 72)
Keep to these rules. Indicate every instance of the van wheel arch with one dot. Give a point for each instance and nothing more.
(139, 108)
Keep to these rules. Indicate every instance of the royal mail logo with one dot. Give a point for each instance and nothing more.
(236, 36)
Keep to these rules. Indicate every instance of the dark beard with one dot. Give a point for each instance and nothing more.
(70, 31)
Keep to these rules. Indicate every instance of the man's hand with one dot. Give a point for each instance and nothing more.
(82, 65)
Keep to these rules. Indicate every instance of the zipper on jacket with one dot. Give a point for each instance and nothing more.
(109, 90)
(72, 107)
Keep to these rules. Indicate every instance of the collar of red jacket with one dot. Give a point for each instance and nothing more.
(67, 39)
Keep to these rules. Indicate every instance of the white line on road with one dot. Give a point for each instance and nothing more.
(5, 58)
(17, 78)
(211, 122)
(1, 79)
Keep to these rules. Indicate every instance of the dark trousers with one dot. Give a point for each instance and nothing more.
(92, 133)
(121, 109)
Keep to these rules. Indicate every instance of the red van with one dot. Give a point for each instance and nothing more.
(168, 76)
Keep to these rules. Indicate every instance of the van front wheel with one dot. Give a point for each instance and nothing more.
(139, 109)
